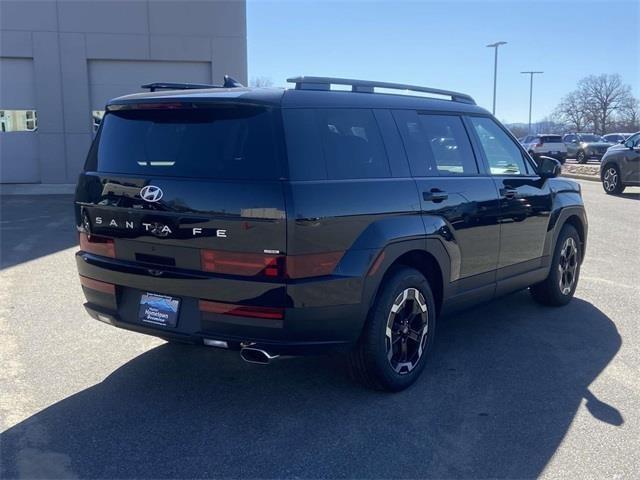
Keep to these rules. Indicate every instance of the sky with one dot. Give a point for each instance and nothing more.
(442, 44)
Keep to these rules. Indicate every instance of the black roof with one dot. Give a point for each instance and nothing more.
(301, 98)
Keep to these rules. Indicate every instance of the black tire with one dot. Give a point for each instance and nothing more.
(549, 292)
(581, 157)
(369, 362)
(611, 180)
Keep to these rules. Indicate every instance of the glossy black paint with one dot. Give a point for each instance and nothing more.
(476, 236)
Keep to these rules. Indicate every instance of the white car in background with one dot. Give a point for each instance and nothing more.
(545, 144)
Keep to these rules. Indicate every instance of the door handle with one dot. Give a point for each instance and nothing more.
(509, 192)
(435, 195)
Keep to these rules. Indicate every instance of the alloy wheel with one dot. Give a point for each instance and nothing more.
(568, 265)
(407, 328)
(610, 179)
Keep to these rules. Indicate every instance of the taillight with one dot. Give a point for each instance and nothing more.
(244, 264)
(270, 266)
(312, 265)
(271, 313)
(103, 287)
(97, 245)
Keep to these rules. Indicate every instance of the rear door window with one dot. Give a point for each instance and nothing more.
(334, 144)
(436, 144)
(449, 144)
(502, 153)
(214, 142)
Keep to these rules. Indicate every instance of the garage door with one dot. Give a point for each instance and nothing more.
(112, 78)
(18, 122)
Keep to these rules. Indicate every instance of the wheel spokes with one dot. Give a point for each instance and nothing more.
(406, 330)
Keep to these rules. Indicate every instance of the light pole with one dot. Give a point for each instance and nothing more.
(531, 74)
(495, 71)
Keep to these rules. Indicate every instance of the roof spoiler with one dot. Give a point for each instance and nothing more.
(229, 82)
(367, 86)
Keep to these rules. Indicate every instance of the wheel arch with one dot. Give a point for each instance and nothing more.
(576, 217)
(608, 163)
(428, 257)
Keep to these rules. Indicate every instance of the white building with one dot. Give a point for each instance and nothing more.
(61, 60)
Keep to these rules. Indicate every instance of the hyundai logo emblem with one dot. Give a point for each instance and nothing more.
(151, 193)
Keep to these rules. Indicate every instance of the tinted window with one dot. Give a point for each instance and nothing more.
(551, 138)
(334, 144)
(304, 147)
(569, 138)
(503, 154)
(590, 138)
(448, 144)
(234, 143)
(633, 141)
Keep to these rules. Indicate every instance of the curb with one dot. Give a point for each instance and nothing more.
(37, 189)
(579, 176)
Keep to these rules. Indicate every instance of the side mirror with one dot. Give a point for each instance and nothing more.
(549, 167)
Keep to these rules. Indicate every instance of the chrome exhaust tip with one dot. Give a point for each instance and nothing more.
(255, 355)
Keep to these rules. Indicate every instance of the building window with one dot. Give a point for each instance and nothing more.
(97, 116)
(18, 121)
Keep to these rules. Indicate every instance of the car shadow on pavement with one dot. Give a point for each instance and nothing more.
(33, 226)
(630, 195)
(502, 388)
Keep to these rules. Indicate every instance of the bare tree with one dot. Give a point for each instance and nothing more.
(261, 82)
(600, 103)
(629, 118)
(573, 111)
(607, 97)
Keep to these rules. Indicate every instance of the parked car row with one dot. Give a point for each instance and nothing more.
(581, 146)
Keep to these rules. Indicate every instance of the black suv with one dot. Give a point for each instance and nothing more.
(298, 221)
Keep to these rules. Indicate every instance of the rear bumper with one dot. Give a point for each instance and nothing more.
(307, 327)
(276, 347)
(557, 156)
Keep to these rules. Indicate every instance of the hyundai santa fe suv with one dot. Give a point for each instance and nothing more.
(307, 220)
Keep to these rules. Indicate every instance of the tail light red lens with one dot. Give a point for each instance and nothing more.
(271, 313)
(540, 143)
(244, 264)
(271, 266)
(103, 287)
(312, 265)
(97, 245)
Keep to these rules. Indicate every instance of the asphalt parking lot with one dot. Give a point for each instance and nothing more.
(514, 390)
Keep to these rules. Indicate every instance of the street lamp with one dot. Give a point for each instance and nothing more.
(531, 74)
(495, 71)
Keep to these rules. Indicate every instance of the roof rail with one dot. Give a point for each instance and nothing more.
(229, 82)
(367, 86)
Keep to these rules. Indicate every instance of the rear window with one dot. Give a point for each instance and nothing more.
(551, 138)
(334, 144)
(214, 142)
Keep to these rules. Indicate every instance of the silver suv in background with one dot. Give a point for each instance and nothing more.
(548, 145)
(620, 166)
(583, 146)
